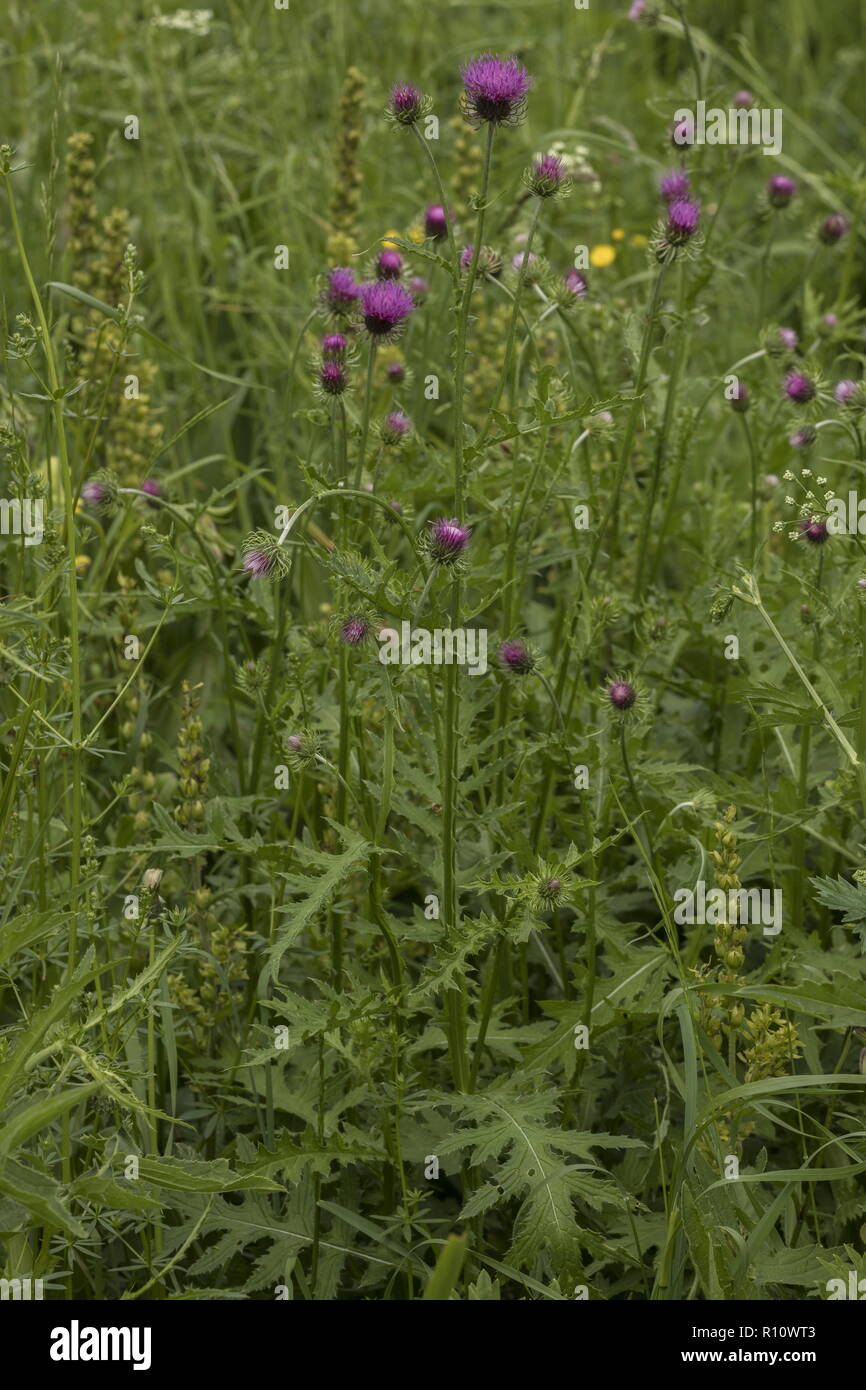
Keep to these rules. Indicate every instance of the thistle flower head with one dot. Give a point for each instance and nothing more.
(436, 221)
(332, 377)
(547, 177)
(683, 219)
(304, 747)
(847, 393)
(489, 261)
(257, 563)
(389, 265)
(395, 428)
(419, 288)
(385, 306)
(576, 284)
(516, 658)
(743, 98)
(674, 186)
(447, 540)
(788, 339)
(99, 492)
(799, 388)
(814, 530)
(406, 104)
(341, 293)
(494, 90)
(396, 373)
(780, 190)
(803, 438)
(334, 345)
(152, 487)
(740, 398)
(833, 228)
(621, 695)
(355, 629)
(264, 557)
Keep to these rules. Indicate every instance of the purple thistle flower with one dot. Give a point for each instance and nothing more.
(803, 438)
(788, 338)
(683, 219)
(332, 377)
(94, 493)
(494, 90)
(517, 261)
(576, 284)
(780, 190)
(621, 695)
(548, 177)
(743, 98)
(257, 564)
(294, 742)
(151, 487)
(799, 388)
(830, 320)
(396, 372)
(636, 11)
(386, 306)
(341, 292)
(395, 427)
(814, 530)
(389, 265)
(861, 583)
(447, 540)
(436, 221)
(740, 398)
(674, 186)
(405, 103)
(846, 392)
(833, 228)
(396, 507)
(419, 287)
(489, 262)
(355, 630)
(333, 345)
(516, 658)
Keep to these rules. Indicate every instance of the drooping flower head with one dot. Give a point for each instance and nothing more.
(436, 222)
(406, 103)
(385, 306)
(548, 177)
(516, 658)
(257, 563)
(683, 219)
(264, 557)
(740, 398)
(389, 265)
(341, 292)
(780, 190)
(799, 388)
(447, 540)
(494, 90)
(833, 228)
(674, 186)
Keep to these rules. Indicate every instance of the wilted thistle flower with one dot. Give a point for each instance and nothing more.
(799, 388)
(264, 558)
(780, 190)
(355, 630)
(516, 658)
(385, 306)
(395, 428)
(334, 345)
(622, 695)
(814, 530)
(833, 228)
(341, 293)
(494, 90)
(674, 186)
(332, 377)
(447, 540)
(406, 104)
(847, 393)
(436, 222)
(682, 221)
(547, 177)
(740, 398)
(576, 284)
(389, 265)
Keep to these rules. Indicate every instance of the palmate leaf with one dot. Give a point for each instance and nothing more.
(315, 892)
(516, 1130)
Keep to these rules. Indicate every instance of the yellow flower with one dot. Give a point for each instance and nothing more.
(601, 256)
(639, 241)
(617, 234)
(416, 233)
(390, 245)
(82, 564)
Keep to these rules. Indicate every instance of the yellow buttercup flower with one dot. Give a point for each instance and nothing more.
(617, 234)
(82, 564)
(601, 256)
(387, 243)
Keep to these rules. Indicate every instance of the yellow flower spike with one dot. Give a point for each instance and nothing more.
(82, 564)
(617, 234)
(600, 256)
